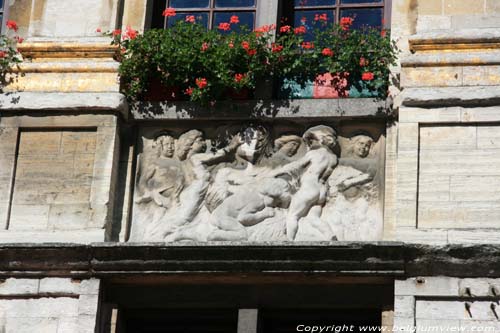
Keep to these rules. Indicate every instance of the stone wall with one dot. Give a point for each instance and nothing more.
(58, 177)
(432, 304)
(48, 305)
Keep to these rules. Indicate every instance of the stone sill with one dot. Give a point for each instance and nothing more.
(296, 108)
(387, 259)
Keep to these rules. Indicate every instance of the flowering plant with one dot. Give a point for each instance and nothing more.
(9, 54)
(206, 66)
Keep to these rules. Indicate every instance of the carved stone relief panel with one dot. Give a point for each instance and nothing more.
(257, 181)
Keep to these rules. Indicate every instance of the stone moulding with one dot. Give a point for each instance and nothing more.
(390, 259)
(67, 50)
(459, 40)
(290, 108)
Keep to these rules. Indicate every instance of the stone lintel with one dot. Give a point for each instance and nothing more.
(298, 108)
(385, 259)
(474, 96)
(63, 102)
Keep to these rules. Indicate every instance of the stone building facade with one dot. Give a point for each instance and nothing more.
(409, 239)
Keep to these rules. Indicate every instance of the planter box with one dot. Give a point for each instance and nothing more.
(325, 86)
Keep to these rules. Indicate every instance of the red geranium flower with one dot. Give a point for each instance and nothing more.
(307, 45)
(188, 91)
(19, 39)
(276, 48)
(245, 45)
(169, 12)
(321, 17)
(367, 76)
(383, 33)
(363, 62)
(251, 52)
(204, 46)
(303, 20)
(12, 25)
(346, 22)
(234, 19)
(116, 32)
(231, 44)
(190, 18)
(327, 52)
(130, 33)
(98, 30)
(3, 54)
(239, 77)
(285, 29)
(201, 82)
(300, 30)
(224, 26)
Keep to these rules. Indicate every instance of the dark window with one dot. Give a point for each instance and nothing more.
(1, 14)
(180, 321)
(372, 13)
(207, 12)
(294, 320)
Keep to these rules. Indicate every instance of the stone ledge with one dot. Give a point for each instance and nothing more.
(452, 59)
(391, 259)
(42, 101)
(298, 108)
(476, 96)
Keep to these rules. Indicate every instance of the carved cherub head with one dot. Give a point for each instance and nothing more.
(190, 143)
(320, 136)
(288, 144)
(164, 144)
(255, 142)
(361, 145)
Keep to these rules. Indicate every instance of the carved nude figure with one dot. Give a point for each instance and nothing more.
(191, 150)
(315, 168)
(160, 178)
(288, 145)
(248, 206)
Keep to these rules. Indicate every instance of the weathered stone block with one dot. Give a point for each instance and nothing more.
(427, 286)
(59, 285)
(13, 286)
(457, 7)
(482, 75)
(432, 76)
(433, 7)
(446, 138)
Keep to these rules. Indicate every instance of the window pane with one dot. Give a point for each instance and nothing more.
(361, 1)
(1, 3)
(310, 19)
(189, 3)
(234, 3)
(200, 18)
(364, 17)
(245, 18)
(309, 3)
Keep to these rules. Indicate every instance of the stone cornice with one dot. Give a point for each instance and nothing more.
(456, 41)
(389, 259)
(67, 50)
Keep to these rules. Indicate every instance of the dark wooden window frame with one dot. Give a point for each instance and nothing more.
(211, 10)
(386, 5)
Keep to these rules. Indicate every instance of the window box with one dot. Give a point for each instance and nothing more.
(207, 66)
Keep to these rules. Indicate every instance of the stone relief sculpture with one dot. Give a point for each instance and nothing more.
(251, 187)
(353, 210)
